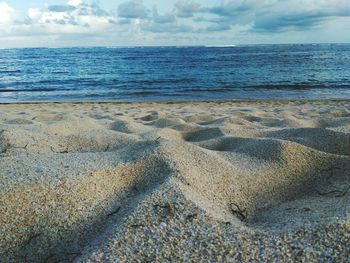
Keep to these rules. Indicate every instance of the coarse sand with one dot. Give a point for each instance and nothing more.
(230, 181)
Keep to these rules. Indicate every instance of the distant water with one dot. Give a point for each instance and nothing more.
(172, 74)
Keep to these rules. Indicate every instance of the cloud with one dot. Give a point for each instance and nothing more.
(162, 19)
(276, 15)
(186, 9)
(61, 8)
(133, 9)
(75, 17)
(275, 23)
(7, 13)
(135, 21)
(135, 14)
(218, 27)
(75, 2)
(234, 8)
(166, 28)
(299, 15)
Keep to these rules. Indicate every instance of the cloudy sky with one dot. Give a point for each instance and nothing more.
(56, 23)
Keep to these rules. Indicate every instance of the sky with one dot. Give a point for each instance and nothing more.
(62, 23)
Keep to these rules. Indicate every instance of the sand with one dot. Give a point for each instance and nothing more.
(235, 181)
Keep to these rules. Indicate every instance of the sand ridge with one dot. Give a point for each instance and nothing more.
(97, 181)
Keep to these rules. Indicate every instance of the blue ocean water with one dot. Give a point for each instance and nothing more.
(175, 73)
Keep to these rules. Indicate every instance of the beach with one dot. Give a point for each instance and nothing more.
(219, 181)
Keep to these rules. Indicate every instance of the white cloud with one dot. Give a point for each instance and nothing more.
(7, 13)
(74, 18)
(74, 2)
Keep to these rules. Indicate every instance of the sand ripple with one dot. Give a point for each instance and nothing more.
(75, 177)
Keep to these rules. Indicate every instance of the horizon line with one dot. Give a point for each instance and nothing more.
(176, 46)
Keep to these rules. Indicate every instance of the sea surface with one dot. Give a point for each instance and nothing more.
(175, 73)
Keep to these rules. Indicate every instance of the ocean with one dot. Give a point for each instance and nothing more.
(319, 71)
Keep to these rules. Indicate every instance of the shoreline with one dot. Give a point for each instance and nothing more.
(177, 102)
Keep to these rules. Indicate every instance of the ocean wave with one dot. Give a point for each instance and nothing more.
(299, 86)
(10, 71)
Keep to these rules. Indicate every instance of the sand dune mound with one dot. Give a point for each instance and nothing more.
(154, 115)
(203, 134)
(159, 134)
(58, 214)
(290, 171)
(51, 116)
(262, 148)
(93, 141)
(187, 127)
(318, 138)
(166, 122)
(128, 126)
(199, 118)
(229, 122)
(19, 121)
(38, 140)
(288, 120)
(336, 122)
(71, 126)
(77, 187)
